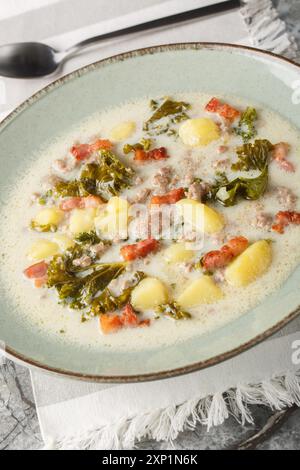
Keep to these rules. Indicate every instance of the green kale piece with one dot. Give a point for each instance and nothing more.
(226, 192)
(253, 156)
(143, 144)
(105, 178)
(42, 228)
(173, 310)
(174, 110)
(77, 290)
(246, 126)
(88, 238)
(106, 302)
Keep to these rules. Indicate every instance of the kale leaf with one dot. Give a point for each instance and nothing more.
(173, 310)
(253, 156)
(174, 110)
(246, 127)
(106, 302)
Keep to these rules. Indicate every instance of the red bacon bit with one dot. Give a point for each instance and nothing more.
(219, 258)
(284, 218)
(222, 109)
(141, 155)
(139, 250)
(83, 151)
(80, 203)
(128, 319)
(168, 198)
(280, 153)
(36, 271)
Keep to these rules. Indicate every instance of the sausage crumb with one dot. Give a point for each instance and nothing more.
(286, 197)
(263, 221)
(197, 191)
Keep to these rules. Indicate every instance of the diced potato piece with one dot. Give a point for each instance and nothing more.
(200, 131)
(113, 222)
(249, 265)
(200, 216)
(64, 242)
(117, 204)
(123, 130)
(178, 252)
(49, 215)
(82, 220)
(42, 249)
(148, 294)
(200, 291)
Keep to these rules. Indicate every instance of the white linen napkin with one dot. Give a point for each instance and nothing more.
(75, 414)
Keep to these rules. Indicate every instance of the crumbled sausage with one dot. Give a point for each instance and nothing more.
(286, 197)
(162, 178)
(197, 191)
(98, 249)
(223, 163)
(222, 149)
(141, 196)
(263, 221)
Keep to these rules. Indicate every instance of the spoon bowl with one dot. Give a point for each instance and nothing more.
(27, 60)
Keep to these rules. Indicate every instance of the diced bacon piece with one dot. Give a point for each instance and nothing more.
(37, 270)
(80, 203)
(284, 218)
(141, 155)
(83, 151)
(129, 317)
(168, 198)
(70, 204)
(222, 109)
(110, 323)
(139, 250)
(220, 258)
(280, 153)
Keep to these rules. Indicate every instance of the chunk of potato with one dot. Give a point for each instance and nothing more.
(122, 131)
(178, 252)
(117, 204)
(200, 291)
(82, 220)
(113, 222)
(148, 294)
(42, 249)
(64, 242)
(249, 265)
(49, 215)
(197, 132)
(200, 216)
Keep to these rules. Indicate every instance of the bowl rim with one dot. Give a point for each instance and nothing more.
(23, 359)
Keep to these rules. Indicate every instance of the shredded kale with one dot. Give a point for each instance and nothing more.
(173, 310)
(246, 126)
(105, 178)
(226, 192)
(78, 290)
(42, 228)
(144, 144)
(106, 302)
(174, 111)
(88, 238)
(253, 156)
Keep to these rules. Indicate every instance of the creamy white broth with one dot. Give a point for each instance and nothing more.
(40, 307)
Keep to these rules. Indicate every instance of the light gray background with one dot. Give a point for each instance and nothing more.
(19, 427)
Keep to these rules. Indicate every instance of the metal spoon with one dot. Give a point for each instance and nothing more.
(34, 59)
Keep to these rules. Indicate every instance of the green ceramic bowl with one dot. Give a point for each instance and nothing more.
(214, 68)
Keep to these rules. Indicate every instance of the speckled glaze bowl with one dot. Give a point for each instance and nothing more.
(213, 68)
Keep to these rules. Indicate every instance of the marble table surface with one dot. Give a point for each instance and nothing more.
(19, 428)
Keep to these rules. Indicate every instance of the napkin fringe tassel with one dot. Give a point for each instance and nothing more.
(266, 29)
(165, 424)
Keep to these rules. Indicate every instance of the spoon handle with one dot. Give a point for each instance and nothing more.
(176, 18)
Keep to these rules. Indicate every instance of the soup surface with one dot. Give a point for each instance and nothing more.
(153, 222)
